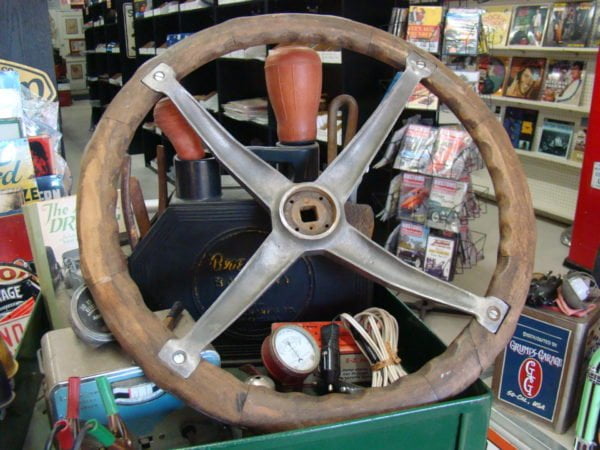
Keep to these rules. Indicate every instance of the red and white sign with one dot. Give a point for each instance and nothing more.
(12, 326)
(530, 377)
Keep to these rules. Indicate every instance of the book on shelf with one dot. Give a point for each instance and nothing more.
(579, 141)
(461, 31)
(492, 74)
(495, 22)
(520, 124)
(398, 22)
(461, 62)
(412, 243)
(528, 25)
(570, 24)
(16, 168)
(52, 231)
(525, 78)
(423, 99)
(556, 137)
(424, 27)
(440, 255)
(414, 192)
(141, 6)
(594, 40)
(564, 82)
(416, 148)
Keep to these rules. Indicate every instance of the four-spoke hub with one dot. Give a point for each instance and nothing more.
(309, 211)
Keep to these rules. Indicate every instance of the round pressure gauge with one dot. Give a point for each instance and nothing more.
(290, 354)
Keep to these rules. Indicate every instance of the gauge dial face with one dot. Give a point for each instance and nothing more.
(296, 349)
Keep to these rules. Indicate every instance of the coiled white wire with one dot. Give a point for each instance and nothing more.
(379, 329)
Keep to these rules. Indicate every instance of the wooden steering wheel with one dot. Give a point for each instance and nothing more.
(175, 364)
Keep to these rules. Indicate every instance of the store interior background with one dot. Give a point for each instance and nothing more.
(550, 253)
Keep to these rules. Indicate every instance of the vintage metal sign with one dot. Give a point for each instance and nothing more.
(534, 363)
(36, 80)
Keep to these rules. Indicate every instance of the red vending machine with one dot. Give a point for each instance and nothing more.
(585, 241)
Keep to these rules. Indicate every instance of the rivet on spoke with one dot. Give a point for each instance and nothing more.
(159, 76)
(179, 357)
(493, 313)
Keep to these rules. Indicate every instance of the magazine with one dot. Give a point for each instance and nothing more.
(19, 287)
(556, 137)
(564, 82)
(424, 27)
(525, 78)
(445, 204)
(412, 243)
(492, 74)
(416, 148)
(16, 168)
(439, 255)
(423, 99)
(461, 32)
(520, 125)
(570, 24)
(461, 62)
(414, 192)
(579, 141)
(41, 155)
(496, 22)
(52, 231)
(446, 116)
(528, 25)
(449, 153)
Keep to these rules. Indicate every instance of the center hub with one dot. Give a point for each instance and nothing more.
(309, 211)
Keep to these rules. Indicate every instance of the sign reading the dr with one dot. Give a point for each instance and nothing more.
(533, 367)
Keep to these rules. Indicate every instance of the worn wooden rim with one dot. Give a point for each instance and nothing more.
(214, 391)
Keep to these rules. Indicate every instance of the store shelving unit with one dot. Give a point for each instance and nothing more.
(106, 53)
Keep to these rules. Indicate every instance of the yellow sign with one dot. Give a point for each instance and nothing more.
(36, 80)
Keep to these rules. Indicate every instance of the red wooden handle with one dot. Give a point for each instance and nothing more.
(187, 143)
(294, 77)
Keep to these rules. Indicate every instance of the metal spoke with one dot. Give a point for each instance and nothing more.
(262, 180)
(356, 250)
(346, 171)
(275, 255)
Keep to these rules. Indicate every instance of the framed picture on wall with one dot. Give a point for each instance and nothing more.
(76, 46)
(71, 25)
(76, 71)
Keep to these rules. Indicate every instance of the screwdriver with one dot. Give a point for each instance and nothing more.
(330, 355)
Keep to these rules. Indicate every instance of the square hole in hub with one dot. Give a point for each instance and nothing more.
(309, 214)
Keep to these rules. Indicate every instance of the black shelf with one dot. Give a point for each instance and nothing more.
(109, 63)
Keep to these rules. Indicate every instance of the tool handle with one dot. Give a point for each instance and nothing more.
(100, 433)
(64, 436)
(73, 388)
(294, 77)
(107, 396)
(330, 354)
(187, 143)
